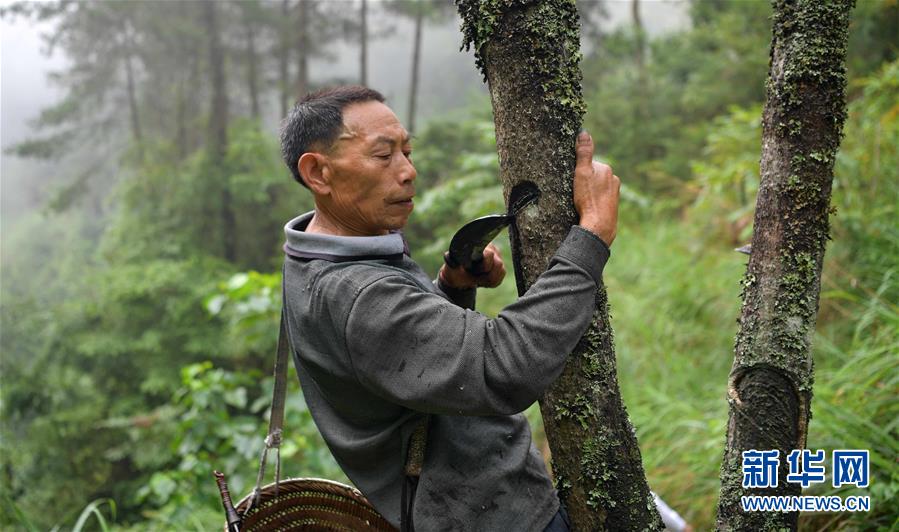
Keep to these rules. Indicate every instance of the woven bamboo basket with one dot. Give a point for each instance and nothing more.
(310, 504)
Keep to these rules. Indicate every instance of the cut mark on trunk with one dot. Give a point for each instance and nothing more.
(758, 394)
(520, 194)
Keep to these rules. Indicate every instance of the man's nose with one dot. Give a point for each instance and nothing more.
(408, 173)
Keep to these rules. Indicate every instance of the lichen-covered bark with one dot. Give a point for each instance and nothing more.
(770, 387)
(528, 51)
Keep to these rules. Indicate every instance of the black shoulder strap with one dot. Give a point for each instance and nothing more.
(276, 419)
(279, 396)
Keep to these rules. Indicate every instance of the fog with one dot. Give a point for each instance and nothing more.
(449, 80)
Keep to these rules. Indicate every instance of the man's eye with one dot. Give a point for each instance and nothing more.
(408, 154)
(384, 156)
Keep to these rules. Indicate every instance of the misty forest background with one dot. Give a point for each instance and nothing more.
(142, 219)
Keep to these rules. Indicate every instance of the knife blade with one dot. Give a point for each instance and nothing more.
(467, 245)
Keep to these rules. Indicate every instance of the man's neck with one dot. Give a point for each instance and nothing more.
(323, 224)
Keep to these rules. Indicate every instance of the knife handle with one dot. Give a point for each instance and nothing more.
(477, 267)
(450, 260)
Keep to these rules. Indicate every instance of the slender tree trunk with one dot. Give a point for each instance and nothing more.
(416, 60)
(770, 385)
(302, 31)
(284, 57)
(218, 112)
(641, 93)
(363, 44)
(529, 54)
(136, 133)
(187, 100)
(639, 35)
(252, 77)
(181, 119)
(189, 75)
(218, 124)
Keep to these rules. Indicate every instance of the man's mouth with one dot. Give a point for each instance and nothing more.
(406, 202)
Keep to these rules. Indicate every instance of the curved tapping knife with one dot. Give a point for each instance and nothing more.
(467, 246)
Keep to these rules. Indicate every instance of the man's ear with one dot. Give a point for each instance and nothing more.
(311, 166)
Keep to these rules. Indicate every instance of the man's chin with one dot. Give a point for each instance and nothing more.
(398, 222)
(399, 225)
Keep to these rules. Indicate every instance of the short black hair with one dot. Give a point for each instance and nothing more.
(315, 121)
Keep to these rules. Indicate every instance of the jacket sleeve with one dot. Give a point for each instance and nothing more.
(423, 352)
(461, 297)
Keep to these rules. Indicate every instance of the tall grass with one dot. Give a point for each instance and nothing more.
(856, 407)
(93, 510)
(674, 298)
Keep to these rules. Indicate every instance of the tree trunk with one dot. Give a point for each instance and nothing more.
(181, 120)
(529, 54)
(189, 76)
(252, 59)
(416, 59)
(218, 112)
(770, 385)
(218, 125)
(641, 95)
(136, 133)
(284, 57)
(186, 100)
(302, 30)
(363, 44)
(639, 35)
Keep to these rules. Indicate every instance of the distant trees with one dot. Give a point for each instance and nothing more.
(685, 77)
(305, 11)
(217, 138)
(177, 80)
(133, 70)
(104, 48)
(420, 11)
(363, 42)
(158, 132)
(251, 16)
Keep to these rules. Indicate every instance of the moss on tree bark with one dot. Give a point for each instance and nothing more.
(529, 53)
(770, 385)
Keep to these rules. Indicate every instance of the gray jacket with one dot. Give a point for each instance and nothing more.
(378, 345)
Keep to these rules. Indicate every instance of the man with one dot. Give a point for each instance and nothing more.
(379, 347)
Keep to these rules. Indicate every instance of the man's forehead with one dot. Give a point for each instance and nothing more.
(372, 122)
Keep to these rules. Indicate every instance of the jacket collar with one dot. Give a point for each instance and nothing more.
(303, 245)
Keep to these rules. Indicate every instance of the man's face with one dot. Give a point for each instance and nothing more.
(370, 170)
